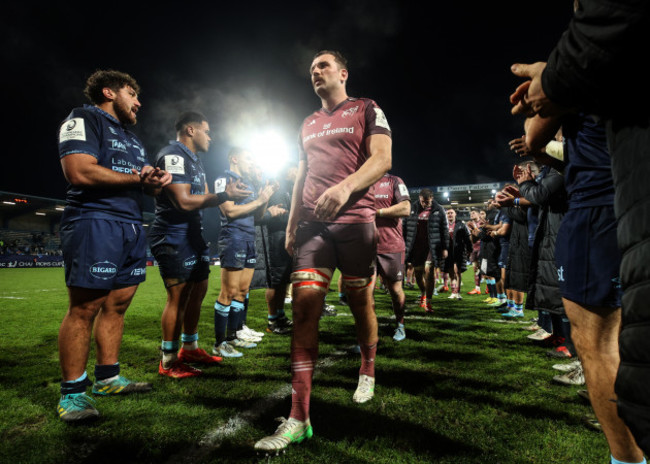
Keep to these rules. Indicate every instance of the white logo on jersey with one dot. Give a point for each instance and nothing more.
(349, 112)
(220, 185)
(381, 120)
(313, 121)
(74, 129)
(403, 190)
(174, 164)
(327, 126)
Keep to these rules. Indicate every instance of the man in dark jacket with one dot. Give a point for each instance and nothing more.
(426, 236)
(460, 247)
(590, 69)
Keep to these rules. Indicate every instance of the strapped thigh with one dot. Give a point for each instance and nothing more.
(314, 278)
(355, 284)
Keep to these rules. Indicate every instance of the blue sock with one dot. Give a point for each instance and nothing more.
(510, 304)
(616, 461)
(501, 296)
(189, 338)
(221, 315)
(169, 346)
(235, 318)
(76, 386)
(244, 315)
(272, 317)
(519, 307)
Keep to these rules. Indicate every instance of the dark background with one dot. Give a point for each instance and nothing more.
(440, 71)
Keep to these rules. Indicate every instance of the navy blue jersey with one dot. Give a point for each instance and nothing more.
(588, 173)
(186, 168)
(242, 228)
(94, 132)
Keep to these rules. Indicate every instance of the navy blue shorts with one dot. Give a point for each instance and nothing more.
(588, 258)
(503, 254)
(180, 258)
(103, 254)
(237, 254)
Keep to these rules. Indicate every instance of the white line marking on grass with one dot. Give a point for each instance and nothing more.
(212, 439)
(12, 297)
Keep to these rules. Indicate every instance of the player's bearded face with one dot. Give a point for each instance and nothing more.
(126, 106)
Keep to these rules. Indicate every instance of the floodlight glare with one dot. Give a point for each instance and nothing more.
(270, 151)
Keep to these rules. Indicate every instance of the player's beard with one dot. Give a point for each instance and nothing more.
(123, 112)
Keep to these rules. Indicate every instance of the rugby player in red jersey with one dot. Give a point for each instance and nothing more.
(345, 147)
(393, 203)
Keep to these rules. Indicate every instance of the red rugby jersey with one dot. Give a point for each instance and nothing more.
(334, 146)
(390, 190)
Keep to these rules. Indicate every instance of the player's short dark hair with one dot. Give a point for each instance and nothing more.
(187, 118)
(426, 193)
(114, 80)
(338, 57)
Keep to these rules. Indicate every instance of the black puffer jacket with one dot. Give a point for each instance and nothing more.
(548, 193)
(490, 249)
(519, 252)
(438, 231)
(460, 247)
(590, 68)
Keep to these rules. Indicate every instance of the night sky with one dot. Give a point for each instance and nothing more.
(441, 76)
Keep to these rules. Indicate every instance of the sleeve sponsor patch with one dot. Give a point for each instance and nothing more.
(73, 129)
(220, 185)
(381, 120)
(403, 190)
(174, 164)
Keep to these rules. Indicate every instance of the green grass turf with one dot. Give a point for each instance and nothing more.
(464, 387)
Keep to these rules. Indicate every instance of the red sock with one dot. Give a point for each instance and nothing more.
(368, 353)
(302, 370)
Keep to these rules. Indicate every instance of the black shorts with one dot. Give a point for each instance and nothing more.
(280, 262)
(181, 258)
(588, 258)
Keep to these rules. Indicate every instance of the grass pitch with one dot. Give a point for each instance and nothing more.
(464, 387)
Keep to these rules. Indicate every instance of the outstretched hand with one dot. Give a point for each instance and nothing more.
(519, 146)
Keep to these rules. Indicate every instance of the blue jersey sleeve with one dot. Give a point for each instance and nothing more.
(80, 133)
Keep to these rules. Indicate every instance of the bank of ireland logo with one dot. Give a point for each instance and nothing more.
(104, 270)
